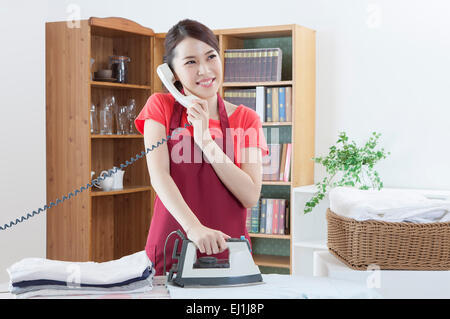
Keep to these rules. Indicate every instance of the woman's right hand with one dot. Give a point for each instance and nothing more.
(207, 240)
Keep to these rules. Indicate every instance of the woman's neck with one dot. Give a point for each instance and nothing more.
(213, 106)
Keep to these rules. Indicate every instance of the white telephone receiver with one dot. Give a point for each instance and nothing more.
(167, 77)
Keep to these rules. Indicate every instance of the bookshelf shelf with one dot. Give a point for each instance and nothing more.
(272, 261)
(281, 183)
(256, 235)
(125, 190)
(99, 136)
(276, 124)
(119, 85)
(253, 84)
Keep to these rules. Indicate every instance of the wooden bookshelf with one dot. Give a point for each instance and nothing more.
(102, 226)
(298, 73)
(99, 225)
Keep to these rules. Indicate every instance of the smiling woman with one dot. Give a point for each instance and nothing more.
(207, 199)
(194, 30)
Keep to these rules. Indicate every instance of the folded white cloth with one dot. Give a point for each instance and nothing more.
(110, 272)
(391, 205)
(142, 286)
(125, 287)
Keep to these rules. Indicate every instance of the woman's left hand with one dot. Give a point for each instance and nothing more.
(198, 116)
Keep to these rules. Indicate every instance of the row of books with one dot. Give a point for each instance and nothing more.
(270, 216)
(252, 65)
(277, 165)
(273, 104)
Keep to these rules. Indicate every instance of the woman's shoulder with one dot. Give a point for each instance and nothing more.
(231, 108)
(162, 98)
(160, 102)
(246, 114)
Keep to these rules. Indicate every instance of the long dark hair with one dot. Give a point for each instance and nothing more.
(180, 31)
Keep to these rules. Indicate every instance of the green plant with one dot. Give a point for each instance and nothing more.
(354, 163)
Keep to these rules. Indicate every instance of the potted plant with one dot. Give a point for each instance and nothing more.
(352, 165)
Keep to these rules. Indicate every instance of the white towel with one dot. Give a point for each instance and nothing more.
(391, 205)
(110, 272)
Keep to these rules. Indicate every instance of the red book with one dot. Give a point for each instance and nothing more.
(275, 216)
(281, 215)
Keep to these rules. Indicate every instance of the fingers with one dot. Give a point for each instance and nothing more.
(214, 243)
(221, 241)
(225, 235)
(222, 244)
(192, 114)
(197, 109)
(202, 103)
(211, 245)
(214, 247)
(207, 240)
(201, 247)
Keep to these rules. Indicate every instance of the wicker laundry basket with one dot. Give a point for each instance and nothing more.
(400, 246)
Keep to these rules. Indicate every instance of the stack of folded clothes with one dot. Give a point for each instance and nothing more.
(35, 277)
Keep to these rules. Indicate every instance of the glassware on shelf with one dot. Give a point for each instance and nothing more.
(119, 65)
(94, 119)
(107, 115)
(122, 120)
(132, 114)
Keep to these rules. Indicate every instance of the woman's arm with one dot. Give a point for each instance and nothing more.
(159, 170)
(245, 182)
(158, 161)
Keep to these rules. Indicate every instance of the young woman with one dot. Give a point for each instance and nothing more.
(206, 198)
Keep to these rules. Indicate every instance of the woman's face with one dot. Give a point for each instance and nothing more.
(195, 63)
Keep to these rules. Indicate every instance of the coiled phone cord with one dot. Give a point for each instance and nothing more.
(88, 185)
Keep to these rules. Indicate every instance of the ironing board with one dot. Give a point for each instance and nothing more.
(275, 287)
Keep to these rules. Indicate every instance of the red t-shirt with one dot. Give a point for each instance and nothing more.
(245, 124)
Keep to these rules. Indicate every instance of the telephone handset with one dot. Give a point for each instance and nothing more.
(167, 77)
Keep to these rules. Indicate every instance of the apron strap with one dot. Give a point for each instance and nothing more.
(178, 109)
(224, 124)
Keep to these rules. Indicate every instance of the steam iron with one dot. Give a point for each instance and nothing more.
(190, 271)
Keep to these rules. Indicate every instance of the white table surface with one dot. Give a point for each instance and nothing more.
(391, 284)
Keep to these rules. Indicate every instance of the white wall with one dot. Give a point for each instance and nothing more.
(381, 66)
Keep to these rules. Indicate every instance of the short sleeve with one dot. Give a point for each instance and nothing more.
(254, 134)
(154, 109)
